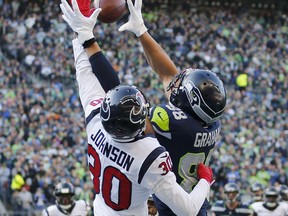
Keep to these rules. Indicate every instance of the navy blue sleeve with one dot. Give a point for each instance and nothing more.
(104, 71)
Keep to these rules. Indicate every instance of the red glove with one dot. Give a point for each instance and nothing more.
(84, 6)
(205, 172)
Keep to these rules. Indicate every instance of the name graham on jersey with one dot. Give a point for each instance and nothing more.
(206, 139)
(111, 152)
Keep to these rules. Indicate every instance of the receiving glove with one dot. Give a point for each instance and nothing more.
(135, 23)
(80, 24)
(84, 6)
(205, 172)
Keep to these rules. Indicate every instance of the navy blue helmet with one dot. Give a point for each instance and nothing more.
(231, 192)
(200, 93)
(64, 194)
(283, 191)
(123, 113)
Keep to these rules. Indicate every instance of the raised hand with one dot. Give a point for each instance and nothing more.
(80, 24)
(135, 23)
(205, 172)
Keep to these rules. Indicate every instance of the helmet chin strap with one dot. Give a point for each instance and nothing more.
(66, 207)
(271, 204)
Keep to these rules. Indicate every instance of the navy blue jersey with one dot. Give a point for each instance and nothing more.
(220, 209)
(187, 141)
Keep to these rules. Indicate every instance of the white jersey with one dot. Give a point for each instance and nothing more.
(260, 210)
(80, 209)
(125, 174)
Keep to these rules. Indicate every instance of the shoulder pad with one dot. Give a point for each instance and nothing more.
(160, 118)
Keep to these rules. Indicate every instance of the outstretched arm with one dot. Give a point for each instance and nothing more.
(155, 55)
(92, 80)
(158, 59)
(174, 196)
(82, 20)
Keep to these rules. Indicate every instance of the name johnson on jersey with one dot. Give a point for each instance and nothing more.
(111, 152)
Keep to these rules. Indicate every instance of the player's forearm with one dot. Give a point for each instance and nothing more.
(102, 68)
(89, 86)
(157, 57)
(179, 201)
(104, 71)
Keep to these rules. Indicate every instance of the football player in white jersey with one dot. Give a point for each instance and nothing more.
(283, 192)
(65, 203)
(126, 166)
(270, 206)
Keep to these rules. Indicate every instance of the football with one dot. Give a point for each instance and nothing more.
(112, 10)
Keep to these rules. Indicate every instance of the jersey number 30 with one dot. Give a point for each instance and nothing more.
(111, 177)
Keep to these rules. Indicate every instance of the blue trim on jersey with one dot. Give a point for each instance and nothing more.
(47, 212)
(92, 115)
(104, 71)
(148, 161)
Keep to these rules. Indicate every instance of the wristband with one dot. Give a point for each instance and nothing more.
(88, 43)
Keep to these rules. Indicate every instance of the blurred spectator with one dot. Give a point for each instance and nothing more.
(39, 199)
(26, 198)
(17, 182)
(242, 81)
(4, 175)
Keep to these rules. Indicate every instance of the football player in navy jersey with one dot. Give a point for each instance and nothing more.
(231, 205)
(189, 125)
(271, 205)
(125, 165)
(257, 190)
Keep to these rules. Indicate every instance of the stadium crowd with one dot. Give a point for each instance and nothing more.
(42, 136)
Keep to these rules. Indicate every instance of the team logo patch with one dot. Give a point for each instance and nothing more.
(193, 94)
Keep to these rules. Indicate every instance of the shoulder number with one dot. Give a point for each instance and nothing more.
(177, 113)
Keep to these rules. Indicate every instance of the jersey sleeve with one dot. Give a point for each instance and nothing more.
(178, 200)
(89, 86)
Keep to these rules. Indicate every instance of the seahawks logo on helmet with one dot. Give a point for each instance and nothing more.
(193, 94)
(201, 93)
(195, 99)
